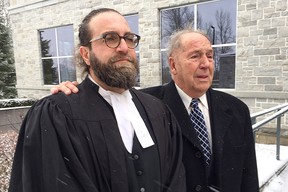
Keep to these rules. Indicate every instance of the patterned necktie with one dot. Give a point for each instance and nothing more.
(198, 122)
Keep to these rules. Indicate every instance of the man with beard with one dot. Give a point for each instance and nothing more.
(107, 138)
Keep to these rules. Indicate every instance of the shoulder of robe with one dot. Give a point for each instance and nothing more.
(147, 98)
(153, 105)
(59, 102)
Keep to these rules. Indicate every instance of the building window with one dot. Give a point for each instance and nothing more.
(57, 53)
(218, 23)
(133, 21)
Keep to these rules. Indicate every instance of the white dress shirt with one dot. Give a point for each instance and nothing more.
(203, 105)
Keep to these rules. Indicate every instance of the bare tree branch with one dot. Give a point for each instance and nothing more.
(176, 19)
(224, 31)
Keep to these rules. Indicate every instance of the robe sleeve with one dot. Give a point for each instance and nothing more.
(44, 159)
(176, 180)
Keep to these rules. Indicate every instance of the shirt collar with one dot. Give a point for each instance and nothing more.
(187, 99)
(107, 94)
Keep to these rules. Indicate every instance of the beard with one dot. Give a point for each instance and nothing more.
(113, 75)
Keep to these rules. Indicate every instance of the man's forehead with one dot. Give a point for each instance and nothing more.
(108, 21)
(194, 40)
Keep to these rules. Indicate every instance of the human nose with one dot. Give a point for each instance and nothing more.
(123, 47)
(205, 61)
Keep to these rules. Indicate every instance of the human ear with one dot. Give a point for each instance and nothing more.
(172, 67)
(85, 54)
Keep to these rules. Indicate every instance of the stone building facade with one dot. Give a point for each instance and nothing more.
(261, 69)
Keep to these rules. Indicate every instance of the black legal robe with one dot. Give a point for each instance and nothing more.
(72, 144)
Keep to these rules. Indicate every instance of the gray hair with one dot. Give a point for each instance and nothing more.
(175, 39)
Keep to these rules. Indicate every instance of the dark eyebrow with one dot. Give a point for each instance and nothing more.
(129, 33)
(126, 33)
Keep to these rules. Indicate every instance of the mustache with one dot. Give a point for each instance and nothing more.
(120, 58)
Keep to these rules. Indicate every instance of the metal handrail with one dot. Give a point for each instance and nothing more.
(281, 110)
(257, 125)
(257, 114)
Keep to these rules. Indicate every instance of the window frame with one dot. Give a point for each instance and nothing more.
(57, 57)
(135, 30)
(167, 77)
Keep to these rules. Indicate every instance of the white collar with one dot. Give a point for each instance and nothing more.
(187, 99)
(128, 118)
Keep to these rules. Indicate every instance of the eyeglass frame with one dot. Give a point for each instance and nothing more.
(103, 36)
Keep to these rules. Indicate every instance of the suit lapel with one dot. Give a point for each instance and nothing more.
(220, 120)
(174, 101)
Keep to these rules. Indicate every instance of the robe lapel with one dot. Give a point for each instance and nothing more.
(103, 130)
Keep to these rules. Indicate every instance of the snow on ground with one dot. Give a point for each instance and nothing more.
(268, 166)
(279, 183)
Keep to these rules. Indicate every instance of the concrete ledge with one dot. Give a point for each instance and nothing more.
(11, 118)
(32, 5)
(257, 94)
(268, 136)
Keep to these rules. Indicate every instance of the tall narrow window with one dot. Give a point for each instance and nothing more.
(218, 23)
(133, 21)
(57, 52)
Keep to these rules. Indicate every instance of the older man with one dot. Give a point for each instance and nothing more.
(228, 162)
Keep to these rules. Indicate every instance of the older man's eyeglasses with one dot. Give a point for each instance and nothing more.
(113, 40)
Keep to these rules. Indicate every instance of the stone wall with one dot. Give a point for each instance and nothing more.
(261, 55)
(262, 64)
(11, 118)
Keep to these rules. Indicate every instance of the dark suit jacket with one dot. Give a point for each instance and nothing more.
(233, 167)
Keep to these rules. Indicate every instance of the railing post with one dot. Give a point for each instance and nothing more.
(278, 132)
(281, 110)
(253, 121)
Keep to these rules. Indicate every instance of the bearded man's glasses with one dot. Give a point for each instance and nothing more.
(113, 40)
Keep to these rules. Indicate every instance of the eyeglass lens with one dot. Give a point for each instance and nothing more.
(113, 40)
